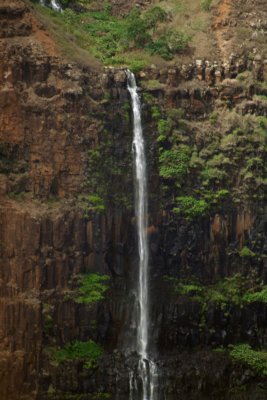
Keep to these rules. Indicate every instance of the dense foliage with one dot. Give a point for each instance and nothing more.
(91, 288)
(88, 352)
(253, 358)
(235, 290)
(109, 37)
(200, 177)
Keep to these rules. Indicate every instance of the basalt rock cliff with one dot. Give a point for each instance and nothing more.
(66, 132)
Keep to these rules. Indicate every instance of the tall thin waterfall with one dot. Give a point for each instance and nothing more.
(146, 368)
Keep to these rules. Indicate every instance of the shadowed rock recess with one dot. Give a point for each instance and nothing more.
(68, 242)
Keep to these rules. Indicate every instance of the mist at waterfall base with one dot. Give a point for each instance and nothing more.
(142, 384)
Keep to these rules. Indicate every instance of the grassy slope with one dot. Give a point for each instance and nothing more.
(73, 37)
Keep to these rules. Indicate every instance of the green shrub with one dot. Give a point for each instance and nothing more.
(161, 138)
(223, 293)
(177, 41)
(136, 65)
(215, 197)
(164, 126)
(160, 47)
(148, 98)
(89, 352)
(213, 118)
(196, 161)
(175, 114)
(262, 122)
(219, 160)
(174, 163)
(169, 44)
(191, 290)
(259, 296)
(257, 360)
(210, 175)
(191, 207)
(91, 203)
(153, 16)
(155, 112)
(229, 142)
(137, 30)
(91, 288)
(245, 252)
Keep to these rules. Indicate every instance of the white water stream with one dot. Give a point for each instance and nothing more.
(54, 5)
(146, 368)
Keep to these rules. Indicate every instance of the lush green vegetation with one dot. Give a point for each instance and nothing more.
(203, 178)
(91, 288)
(88, 352)
(169, 44)
(235, 290)
(91, 204)
(259, 296)
(257, 360)
(225, 292)
(108, 37)
(245, 252)
(173, 164)
(190, 207)
(163, 125)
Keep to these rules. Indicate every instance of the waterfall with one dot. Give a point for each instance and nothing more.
(146, 367)
(54, 5)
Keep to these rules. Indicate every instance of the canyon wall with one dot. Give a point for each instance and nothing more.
(66, 131)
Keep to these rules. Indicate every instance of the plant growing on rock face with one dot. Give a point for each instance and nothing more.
(164, 127)
(257, 297)
(91, 203)
(190, 207)
(155, 112)
(91, 288)
(213, 175)
(154, 16)
(257, 360)
(236, 290)
(88, 352)
(245, 252)
(169, 44)
(174, 164)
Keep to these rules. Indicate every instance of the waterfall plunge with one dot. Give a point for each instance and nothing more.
(146, 368)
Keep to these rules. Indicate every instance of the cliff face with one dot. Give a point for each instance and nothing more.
(65, 132)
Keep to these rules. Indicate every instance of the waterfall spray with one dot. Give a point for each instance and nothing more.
(146, 368)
